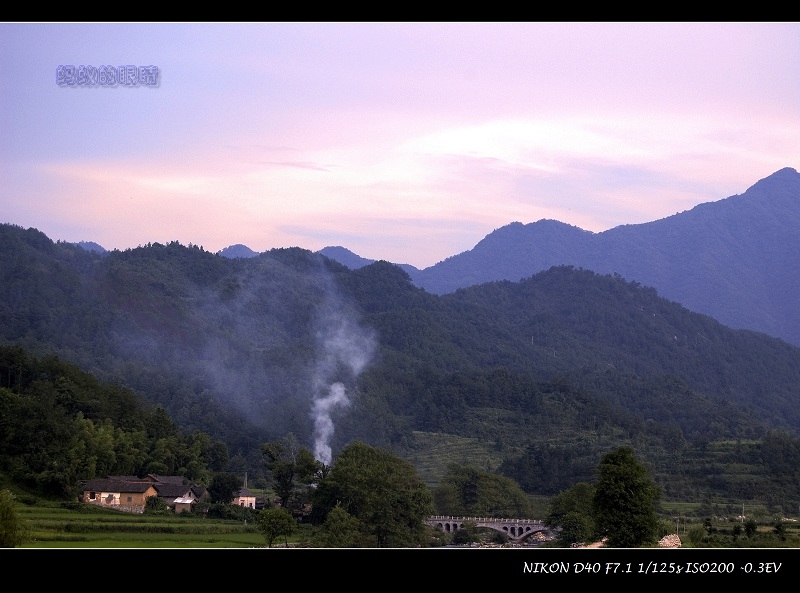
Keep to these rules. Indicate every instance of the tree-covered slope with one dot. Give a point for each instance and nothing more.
(60, 425)
(559, 366)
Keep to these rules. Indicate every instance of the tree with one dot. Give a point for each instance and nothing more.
(340, 530)
(697, 535)
(467, 534)
(223, 488)
(572, 511)
(736, 531)
(576, 528)
(624, 501)
(274, 523)
(379, 489)
(155, 505)
(13, 530)
(291, 466)
(473, 492)
(780, 530)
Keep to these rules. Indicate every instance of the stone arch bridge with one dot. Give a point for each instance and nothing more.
(515, 529)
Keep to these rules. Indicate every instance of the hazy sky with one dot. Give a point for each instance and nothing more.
(408, 142)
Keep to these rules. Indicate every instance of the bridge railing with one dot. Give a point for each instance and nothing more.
(484, 519)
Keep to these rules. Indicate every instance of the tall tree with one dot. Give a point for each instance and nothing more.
(224, 487)
(274, 523)
(571, 510)
(291, 467)
(624, 501)
(379, 489)
(13, 530)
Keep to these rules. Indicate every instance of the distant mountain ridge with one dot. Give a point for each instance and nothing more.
(737, 259)
(345, 257)
(353, 261)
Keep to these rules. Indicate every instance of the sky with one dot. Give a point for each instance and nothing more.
(408, 142)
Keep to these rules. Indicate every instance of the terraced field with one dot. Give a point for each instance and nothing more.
(54, 525)
(434, 452)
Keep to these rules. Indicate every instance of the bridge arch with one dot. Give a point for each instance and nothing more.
(515, 529)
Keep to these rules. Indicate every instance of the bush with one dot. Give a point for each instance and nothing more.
(498, 537)
(466, 535)
(697, 535)
(156, 506)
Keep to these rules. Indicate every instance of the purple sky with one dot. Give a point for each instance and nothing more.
(408, 142)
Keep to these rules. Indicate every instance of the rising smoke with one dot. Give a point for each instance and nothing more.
(323, 422)
(346, 349)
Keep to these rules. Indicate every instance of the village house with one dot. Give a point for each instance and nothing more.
(245, 498)
(123, 495)
(130, 493)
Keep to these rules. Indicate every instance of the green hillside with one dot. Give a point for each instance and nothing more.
(534, 379)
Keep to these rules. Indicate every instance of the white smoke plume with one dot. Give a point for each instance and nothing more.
(323, 424)
(347, 349)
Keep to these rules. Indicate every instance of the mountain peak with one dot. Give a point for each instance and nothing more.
(782, 176)
(237, 250)
(91, 246)
(345, 257)
(784, 172)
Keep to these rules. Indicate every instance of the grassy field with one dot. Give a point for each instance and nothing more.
(54, 526)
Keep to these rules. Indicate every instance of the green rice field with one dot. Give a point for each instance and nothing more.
(55, 525)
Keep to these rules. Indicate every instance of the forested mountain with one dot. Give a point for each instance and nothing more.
(59, 425)
(737, 259)
(542, 375)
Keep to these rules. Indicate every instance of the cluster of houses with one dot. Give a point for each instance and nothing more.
(130, 493)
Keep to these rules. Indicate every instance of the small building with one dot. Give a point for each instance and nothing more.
(245, 498)
(183, 505)
(123, 495)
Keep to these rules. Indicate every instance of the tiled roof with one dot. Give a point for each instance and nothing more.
(108, 485)
(168, 490)
(200, 492)
(167, 479)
